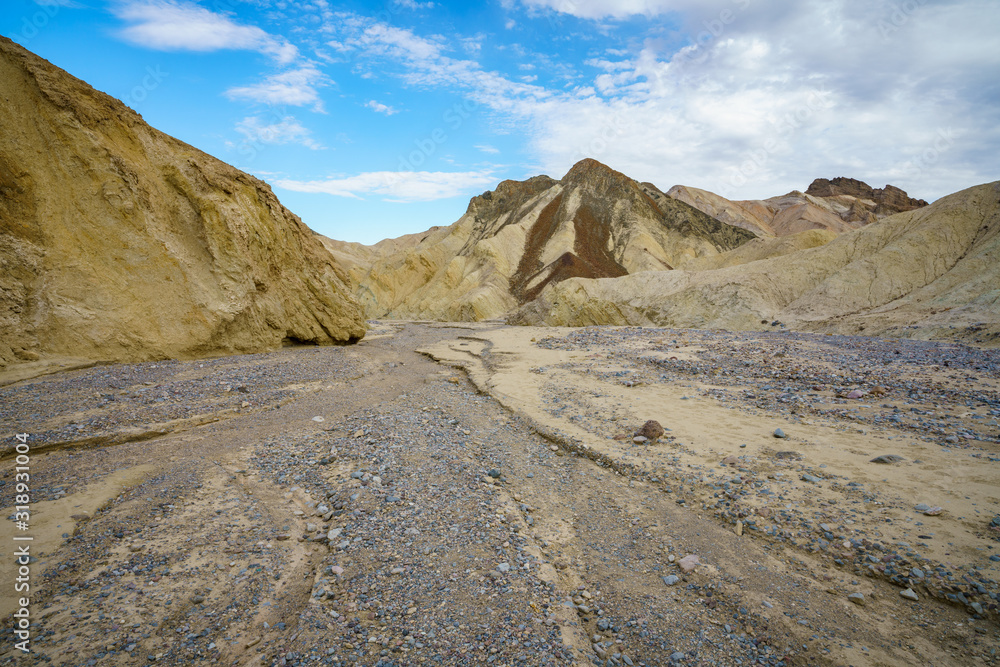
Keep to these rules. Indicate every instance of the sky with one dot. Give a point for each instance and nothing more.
(375, 119)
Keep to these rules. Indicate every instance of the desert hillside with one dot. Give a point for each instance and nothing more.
(932, 272)
(837, 206)
(118, 242)
(525, 235)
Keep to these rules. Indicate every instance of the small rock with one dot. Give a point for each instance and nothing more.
(887, 458)
(640, 439)
(739, 527)
(318, 419)
(494, 473)
(857, 598)
(778, 433)
(811, 478)
(909, 594)
(857, 393)
(689, 563)
(503, 567)
(671, 579)
(651, 430)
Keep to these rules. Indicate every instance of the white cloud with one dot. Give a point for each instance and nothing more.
(486, 148)
(598, 9)
(177, 25)
(296, 87)
(399, 186)
(767, 97)
(378, 107)
(412, 4)
(286, 130)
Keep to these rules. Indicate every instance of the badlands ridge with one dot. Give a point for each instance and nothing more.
(151, 249)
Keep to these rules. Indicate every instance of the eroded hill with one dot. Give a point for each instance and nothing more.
(118, 242)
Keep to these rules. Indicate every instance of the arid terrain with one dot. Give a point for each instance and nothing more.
(465, 494)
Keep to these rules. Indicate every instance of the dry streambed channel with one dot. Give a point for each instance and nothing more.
(480, 495)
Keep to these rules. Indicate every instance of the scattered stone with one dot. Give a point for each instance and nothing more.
(778, 433)
(887, 458)
(857, 598)
(811, 478)
(909, 594)
(671, 579)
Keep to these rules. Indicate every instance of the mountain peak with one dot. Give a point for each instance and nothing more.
(589, 169)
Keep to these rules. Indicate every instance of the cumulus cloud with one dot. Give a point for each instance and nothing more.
(295, 87)
(752, 100)
(378, 107)
(175, 25)
(398, 186)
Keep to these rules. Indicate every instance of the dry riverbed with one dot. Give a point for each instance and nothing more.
(475, 494)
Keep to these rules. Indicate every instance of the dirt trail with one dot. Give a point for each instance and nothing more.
(367, 505)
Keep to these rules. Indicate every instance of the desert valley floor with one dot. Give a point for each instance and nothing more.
(476, 494)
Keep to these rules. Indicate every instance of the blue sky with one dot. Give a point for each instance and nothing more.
(376, 119)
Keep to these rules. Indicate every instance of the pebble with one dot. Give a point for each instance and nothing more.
(857, 598)
(908, 594)
(778, 433)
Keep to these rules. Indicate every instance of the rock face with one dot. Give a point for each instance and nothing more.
(838, 206)
(932, 272)
(516, 240)
(118, 242)
(888, 200)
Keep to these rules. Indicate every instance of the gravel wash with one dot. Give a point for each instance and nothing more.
(367, 506)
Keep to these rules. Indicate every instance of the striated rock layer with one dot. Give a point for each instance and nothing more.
(523, 236)
(837, 206)
(932, 272)
(118, 242)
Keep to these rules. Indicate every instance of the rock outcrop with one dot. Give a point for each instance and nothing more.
(932, 272)
(838, 206)
(118, 242)
(516, 240)
(888, 200)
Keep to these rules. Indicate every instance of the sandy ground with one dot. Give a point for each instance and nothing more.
(483, 501)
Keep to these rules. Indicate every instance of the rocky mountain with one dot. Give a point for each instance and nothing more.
(118, 242)
(523, 236)
(931, 272)
(838, 206)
